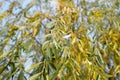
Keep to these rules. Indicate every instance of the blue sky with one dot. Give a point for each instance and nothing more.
(6, 3)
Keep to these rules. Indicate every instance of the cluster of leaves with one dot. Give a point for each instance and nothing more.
(73, 40)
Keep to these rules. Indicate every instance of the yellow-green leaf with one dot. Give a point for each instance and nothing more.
(35, 76)
(33, 66)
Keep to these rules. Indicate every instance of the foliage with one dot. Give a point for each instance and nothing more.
(60, 40)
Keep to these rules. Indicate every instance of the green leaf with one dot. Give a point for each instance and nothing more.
(2, 68)
(21, 76)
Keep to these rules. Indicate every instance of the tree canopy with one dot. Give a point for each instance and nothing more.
(59, 39)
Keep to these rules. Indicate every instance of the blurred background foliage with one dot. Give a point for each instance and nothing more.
(59, 39)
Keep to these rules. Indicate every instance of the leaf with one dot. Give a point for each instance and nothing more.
(55, 43)
(21, 76)
(33, 66)
(4, 55)
(37, 14)
(13, 4)
(13, 73)
(47, 36)
(3, 15)
(35, 76)
(45, 44)
(117, 69)
(62, 20)
(98, 77)
(67, 36)
(52, 66)
(35, 31)
(73, 38)
(13, 27)
(50, 25)
(59, 67)
(25, 34)
(36, 28)
(2, 68)
(115, 35)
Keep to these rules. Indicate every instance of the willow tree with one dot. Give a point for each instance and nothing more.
(60, 40)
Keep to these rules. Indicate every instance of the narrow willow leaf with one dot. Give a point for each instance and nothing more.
(55, 43)
(47, 36)
(35, 31)
(50, 25)
(13, 73)
(59, 67)
(2, 68)
(25, 34)
(117, 69)
(45, 44)
(4, 55)
(37, 14)
(115, 35)
(33, 66)
(80, 47)
(67, 36)
(35, 76)
(52, 66)
(13, 4)
(73, 38)
(98, 77)
(62, 20)
(21, 76)
(3, 15)
(30, 5)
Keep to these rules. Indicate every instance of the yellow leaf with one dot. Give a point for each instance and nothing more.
(3, 15)
(13, 27)
(35, 31)
(117, 69)
(72, 52)
(80, 48)
(62, 19)
(115, 35)
(94, 75)
(66, 50)
(26, 33)
(35, 28)
(73, 38)
(37, 14)
(78, 58)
